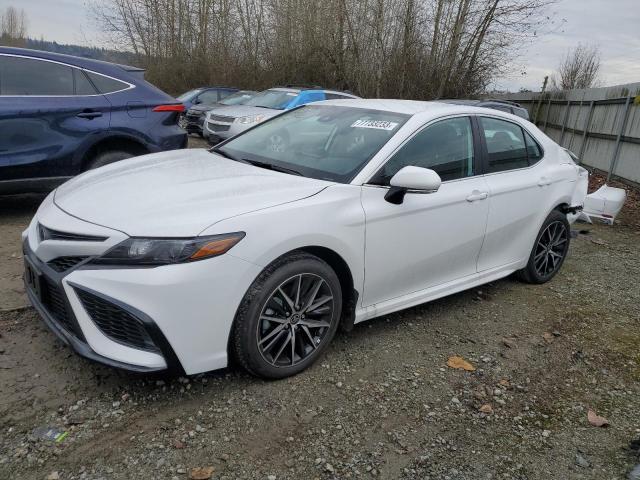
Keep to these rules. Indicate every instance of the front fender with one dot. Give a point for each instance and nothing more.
(332, 219)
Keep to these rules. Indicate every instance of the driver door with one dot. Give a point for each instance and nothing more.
(429, 239)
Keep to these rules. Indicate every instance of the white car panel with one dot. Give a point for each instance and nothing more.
(430, 239)
(177, 194)
(193, 304)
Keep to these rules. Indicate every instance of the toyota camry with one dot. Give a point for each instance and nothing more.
(322, 217)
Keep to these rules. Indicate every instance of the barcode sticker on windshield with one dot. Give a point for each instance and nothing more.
(376, 124)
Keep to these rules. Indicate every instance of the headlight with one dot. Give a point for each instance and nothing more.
(161, 251)
(250, 119)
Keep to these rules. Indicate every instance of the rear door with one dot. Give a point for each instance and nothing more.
(518, 187)
(48, 112)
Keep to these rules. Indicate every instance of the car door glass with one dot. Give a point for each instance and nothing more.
(208, 98)
(445, 147)
(505, 145)
(83, 85)
(106, 84)
(27, 76)
(534, 151)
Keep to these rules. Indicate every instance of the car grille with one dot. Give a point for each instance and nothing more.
(220, 118)
(215, 127)
(54, 301)
(46, 233)
(116, 323)
(62, 264)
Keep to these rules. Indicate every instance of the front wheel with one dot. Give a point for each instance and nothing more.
(288, 317)
(549, 251)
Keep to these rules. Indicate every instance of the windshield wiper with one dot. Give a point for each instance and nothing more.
(270, 166)
(257, 163)
(225, 154)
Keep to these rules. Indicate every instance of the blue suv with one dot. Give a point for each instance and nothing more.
(61, 115)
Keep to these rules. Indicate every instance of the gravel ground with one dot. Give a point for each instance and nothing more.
(382, 403)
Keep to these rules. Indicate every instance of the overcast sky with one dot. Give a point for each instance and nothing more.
(613, 25)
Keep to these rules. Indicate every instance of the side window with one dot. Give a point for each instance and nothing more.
(533, 149)
(28, 76)
(208, 97)
(446, 147)
(505, 145)
(106, 84)
(83, 85)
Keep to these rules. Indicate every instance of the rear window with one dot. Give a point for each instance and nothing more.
(28, 76)
(106, 84)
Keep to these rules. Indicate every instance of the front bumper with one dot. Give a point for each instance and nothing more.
(192, 123)
(66, 325)
(187, 310)
(223, 131)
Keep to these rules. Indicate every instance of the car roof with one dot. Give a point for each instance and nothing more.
(82, 62)
(415, 107)
(216, 87)
(408, 107)
(283, 89)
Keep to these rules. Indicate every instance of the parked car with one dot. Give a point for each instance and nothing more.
(179, 259)
(193, 120)
(226, 122)
(502, 105)
(62, 115)
(205, 95)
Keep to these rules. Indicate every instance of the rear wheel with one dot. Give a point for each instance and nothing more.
(288, 317)
(105, 158)
(549, 251)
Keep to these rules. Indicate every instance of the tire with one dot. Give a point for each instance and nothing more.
(262, 346)
(545, 262)
(106, 158)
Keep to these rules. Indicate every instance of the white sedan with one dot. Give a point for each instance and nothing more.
(325, 216)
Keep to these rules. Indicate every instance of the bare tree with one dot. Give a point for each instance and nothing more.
(13, 27)
(579, 69)
(417, 49)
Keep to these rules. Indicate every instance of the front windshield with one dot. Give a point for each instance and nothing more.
(185, 97)
(276, 99)
(238, 98)
(326, 142)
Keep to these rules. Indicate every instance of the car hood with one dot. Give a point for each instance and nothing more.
(244, 111)
(178, 193)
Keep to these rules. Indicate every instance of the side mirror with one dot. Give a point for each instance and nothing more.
(414, 180)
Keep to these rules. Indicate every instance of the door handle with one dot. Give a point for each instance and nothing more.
(89, 115)
(543, 182)
(476, 196)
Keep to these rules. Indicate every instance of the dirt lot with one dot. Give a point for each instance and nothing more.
(382, 403)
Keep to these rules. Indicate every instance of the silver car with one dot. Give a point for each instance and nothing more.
(226, 122)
